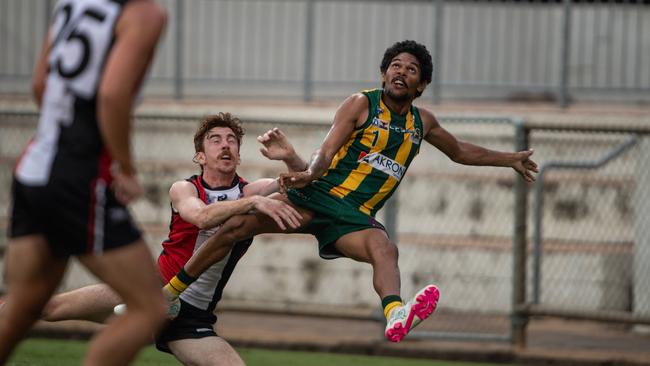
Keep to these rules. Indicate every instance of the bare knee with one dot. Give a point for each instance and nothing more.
(25, 308)
(52, 309)
(383, 250)
(147, 307)
(236, 228)
(150, 315)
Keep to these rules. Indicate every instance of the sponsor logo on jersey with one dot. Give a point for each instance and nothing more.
(383, 163)
(415, 135)
(380, 123)
(217, 197)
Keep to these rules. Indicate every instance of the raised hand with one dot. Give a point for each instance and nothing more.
(276, 146)
(524, 166)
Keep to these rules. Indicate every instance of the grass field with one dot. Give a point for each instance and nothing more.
(46, 352)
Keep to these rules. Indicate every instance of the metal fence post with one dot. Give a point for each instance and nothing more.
(565, 54)
(309, 50)
(437, 47)
(518, 319)
(178, 54)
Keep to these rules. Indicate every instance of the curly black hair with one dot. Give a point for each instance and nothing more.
(416, 49)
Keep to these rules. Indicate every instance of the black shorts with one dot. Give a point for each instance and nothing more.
(75, 218)
(191, 323)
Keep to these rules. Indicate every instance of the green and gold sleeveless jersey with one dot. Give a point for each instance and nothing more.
(370, 165)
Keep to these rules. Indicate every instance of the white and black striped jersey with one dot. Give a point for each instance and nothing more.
(67, 142)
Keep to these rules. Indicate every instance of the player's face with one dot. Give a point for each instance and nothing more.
(221, 150)
(402, 78)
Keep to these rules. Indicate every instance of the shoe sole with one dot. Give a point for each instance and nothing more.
(426, 302)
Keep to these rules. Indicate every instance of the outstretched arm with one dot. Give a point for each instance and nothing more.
(350, 114)
(470, 154)
(186, 201)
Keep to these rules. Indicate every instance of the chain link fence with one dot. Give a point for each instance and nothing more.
(454, 225)
(589, 254)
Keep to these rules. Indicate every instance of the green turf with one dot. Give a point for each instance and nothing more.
(47, 352)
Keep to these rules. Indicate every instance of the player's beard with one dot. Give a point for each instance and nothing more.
(397, 97)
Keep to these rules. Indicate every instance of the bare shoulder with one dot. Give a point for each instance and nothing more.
(182, 188)
(356, 101)
(353, 109)
(429, 121)
(147, 16)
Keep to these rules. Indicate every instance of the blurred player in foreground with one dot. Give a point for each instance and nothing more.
(76, 175)
(373, 139)
(199, 205)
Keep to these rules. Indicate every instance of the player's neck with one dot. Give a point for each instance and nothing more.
(217, 179)
(400, 107)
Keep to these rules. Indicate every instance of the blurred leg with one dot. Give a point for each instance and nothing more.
(32, 276)
(130, 271)
(93, 303)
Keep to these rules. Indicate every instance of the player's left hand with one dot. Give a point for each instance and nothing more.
(275, 145)
(294, 180)
(127, 188)
(524, 166)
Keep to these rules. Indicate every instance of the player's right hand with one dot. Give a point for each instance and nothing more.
(127, 188)
(279, 211)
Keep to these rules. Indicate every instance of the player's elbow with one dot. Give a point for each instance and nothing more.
(111, 108)
(460, 155)
(160, 16)
(460, 160)
(110, 97)
(156, 17)
(457, 157)
(203, 222)
(38, 88)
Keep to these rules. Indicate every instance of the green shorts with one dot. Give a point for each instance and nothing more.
(333, 217)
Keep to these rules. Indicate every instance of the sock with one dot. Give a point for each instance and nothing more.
(389, 303)
(179, 283)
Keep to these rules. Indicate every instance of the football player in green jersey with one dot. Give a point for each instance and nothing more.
(373, 139)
